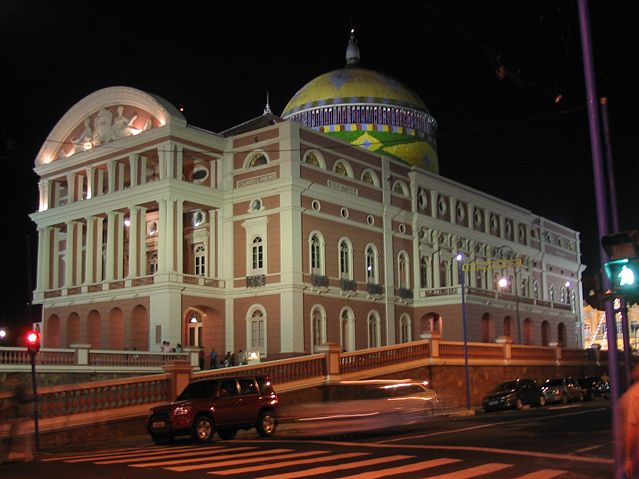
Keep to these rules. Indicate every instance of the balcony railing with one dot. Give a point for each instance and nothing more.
(405, 293)
(255, 281)
(374, 288)
(319, 280)
(348, 285)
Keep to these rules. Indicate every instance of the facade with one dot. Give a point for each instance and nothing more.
(278, 236)
(594, 328)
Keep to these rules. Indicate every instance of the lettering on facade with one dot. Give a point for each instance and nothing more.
(255, 180)
(342, 187)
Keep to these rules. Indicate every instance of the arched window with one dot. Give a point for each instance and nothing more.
(545, 333)
(486, 328)
(424, 270)
(257, 254)
(400, 188)
(256, 330)
(536, 289)
(508, 326)
(551, 293)
(345, 259)
(342, 168)
(257, 159)
(443, 274)
(371, 264)
(527, 331)
(153, 263)
(524, 287)
(347, 330)
(315, 159)
(200, 260)
(405, 329)
(403, 270)
(194, 329)
(563, 296)
(370, 177)
(318, 327)
(316, 249)
(561, 334)
(374, 333)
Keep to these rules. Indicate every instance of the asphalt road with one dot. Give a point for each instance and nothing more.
(571, 441)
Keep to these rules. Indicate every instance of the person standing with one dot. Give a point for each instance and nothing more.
(629, 411)
(213, 364)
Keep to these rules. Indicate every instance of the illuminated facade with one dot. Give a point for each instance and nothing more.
(594, 328)
(277, 237)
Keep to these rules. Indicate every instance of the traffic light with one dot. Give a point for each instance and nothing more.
(594, 295)
(624, 276)
(32, 339)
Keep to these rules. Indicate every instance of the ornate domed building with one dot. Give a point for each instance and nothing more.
(368, 109)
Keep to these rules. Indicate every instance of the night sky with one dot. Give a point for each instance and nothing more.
(506, 137)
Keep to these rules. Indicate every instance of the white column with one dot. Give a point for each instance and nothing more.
(71, 188)
(120, 174)
(99, 235)
(212, 266)
(111, 174)
(90, 182)
(179, 162)
(119, 251)
(162, 234)
(143, 170)
(134, 232)
(141, 241)
(134, 166)
(112, 218)
(68, 255)
(179, 235)
(170, 235)
(77, 252)
(44, 258)
(55, 258)
(453, 210)
(165, 155)
(89, 251)
(99, 185)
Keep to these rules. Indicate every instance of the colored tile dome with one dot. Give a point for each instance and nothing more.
(369, 109)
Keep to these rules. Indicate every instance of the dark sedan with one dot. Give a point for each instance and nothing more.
(562, 390)
(594, 387)
(514, 395)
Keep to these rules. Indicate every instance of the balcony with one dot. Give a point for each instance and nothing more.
(255, 281)
(348, 285)
(374, 289)
(405, 293)
(319, 281)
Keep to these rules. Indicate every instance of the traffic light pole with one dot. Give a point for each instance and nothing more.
(36, 425)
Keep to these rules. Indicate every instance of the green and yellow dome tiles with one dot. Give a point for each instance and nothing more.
(368, 109)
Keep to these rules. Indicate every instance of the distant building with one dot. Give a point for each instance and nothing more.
(330, 224)
(595, 332)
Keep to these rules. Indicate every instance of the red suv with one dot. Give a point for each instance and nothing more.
(222, 404)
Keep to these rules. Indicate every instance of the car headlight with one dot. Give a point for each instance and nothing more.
(181, 410)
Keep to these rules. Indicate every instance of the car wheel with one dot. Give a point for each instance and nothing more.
(202, 429)
(266, 424)
(519, 404)
(541, 402)
(227, 433)
(161, 440)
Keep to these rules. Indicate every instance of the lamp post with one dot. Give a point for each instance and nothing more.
(518, 319)
(462, 284)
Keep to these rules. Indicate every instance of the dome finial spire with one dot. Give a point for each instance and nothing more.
(352, 50)
(267, 108)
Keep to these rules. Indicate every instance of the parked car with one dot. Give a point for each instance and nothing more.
(562, 390)
(221, 405)
(593, 387)
(514, 394)
(355, 406)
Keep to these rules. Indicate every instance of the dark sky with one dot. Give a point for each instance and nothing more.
(217, 60)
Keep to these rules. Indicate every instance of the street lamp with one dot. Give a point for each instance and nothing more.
(462, 284)
(503, 282)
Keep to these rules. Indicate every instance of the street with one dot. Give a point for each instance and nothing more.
(563, 441)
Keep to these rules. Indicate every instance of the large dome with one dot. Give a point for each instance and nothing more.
(368, 109)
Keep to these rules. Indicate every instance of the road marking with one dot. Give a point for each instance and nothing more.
(208, 452)
(90, 453)
(142, 453)
(276, 465)
(337, 467)
(590, 448)
(493, 424)
(473, 471)
(489, 450)
(263, 456)
(392, 471)
(543, 474)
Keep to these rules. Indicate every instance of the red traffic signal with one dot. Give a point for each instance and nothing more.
(32, 338)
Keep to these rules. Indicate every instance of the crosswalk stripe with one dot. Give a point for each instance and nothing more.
(90, 453)
(543, 474)
(337, 467)
(472, 471)
(142, 452)
(250, 460)
(208, 452)
(200, 459)
(275, 465)
(417, 466)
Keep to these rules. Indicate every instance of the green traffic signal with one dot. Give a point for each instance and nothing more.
(623, 275)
